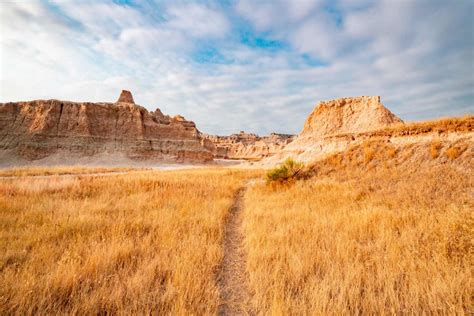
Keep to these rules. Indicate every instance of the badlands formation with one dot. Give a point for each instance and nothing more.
(42, 128)
(337, 125)
(333, 125)
(246, 146)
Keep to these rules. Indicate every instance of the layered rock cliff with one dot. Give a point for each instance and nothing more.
(40, 128)
(348, 115)
(337, 125)
(246, 146)
(332, 126)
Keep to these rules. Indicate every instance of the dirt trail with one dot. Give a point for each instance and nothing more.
(232, 278)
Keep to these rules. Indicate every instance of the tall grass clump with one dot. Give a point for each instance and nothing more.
(288, 171)
(434, 149)
(453, 152)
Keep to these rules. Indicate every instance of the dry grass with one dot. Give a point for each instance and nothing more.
(369, 152)
(392, 234)
(380, 153)
(434, 149)
(389, 241)
(47, 171)
(136, 243)
(453, 152)
(440, 126)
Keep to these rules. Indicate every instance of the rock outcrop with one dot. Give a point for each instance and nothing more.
(334, 124)
(125, 97)
(338, 125)
(348, 116)
(245, 146)
(37, 129)
(405, 149)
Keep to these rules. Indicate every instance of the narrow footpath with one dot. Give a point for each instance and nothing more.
(232, 278)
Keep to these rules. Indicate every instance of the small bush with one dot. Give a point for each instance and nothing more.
(287, 171)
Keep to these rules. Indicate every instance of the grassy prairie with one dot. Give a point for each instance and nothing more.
(136, 243)
(362, 235)
(385, 241)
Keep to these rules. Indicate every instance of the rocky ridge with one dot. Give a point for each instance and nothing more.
(347, 115)
(125, 97)
(246, 146)
(336, 125)
(40, 128)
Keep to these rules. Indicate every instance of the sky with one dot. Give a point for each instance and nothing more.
(232, 65)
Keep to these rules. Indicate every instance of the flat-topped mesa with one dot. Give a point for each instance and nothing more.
(125, 97)
(348, 115)
(333, 125)
(42, 128)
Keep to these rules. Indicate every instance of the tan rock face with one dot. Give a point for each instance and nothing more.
(37, 129)
(246, 146)
(338, 125)
(332, 125)
(348, 115)
(126, 97)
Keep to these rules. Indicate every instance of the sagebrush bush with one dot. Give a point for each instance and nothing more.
(290, 169)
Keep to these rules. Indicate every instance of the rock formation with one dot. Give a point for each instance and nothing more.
(41, 128)
(245, 145)
(338, 125)
(126, 97)
(348, 116)
(333, 125)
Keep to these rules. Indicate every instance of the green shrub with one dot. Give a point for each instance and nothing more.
(289, 170)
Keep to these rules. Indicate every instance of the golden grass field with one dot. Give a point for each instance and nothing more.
(368, 243)
(59, 170)
(347, 240)
(138, 243)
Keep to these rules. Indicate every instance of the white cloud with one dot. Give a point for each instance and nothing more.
(416, 55)
(319, 38)
(266, 15)
(198, 20)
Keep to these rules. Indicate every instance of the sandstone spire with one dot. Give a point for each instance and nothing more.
(126, 97)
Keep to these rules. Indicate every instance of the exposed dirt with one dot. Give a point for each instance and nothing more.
(232, 278)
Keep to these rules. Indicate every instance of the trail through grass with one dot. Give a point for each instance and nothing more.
(130, 244)
(233, 278)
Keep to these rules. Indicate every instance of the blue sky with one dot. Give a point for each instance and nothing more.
(231, 65)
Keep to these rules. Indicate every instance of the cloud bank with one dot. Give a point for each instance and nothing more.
(259, 66)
